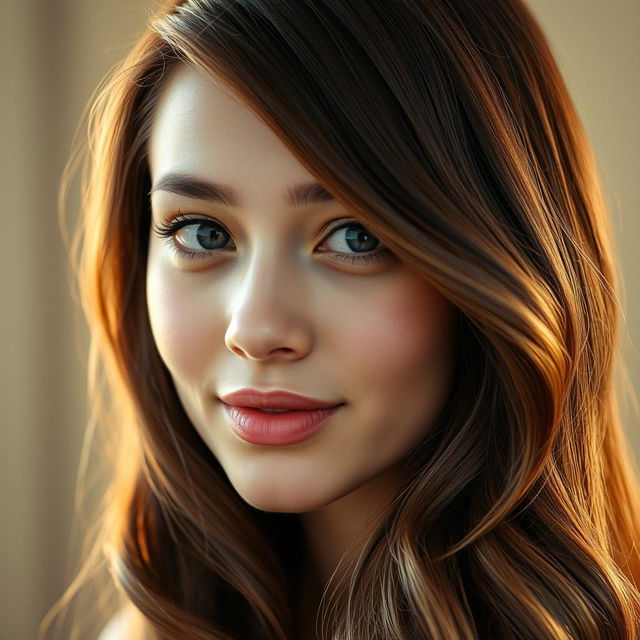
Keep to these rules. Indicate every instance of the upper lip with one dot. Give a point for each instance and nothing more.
(274, 400)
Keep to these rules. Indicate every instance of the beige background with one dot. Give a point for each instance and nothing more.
(52, 56)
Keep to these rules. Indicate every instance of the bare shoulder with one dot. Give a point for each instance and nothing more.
(124, 625)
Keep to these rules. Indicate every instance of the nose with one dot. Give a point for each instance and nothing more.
(268, 319)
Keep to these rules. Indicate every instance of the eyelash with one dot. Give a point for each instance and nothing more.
(169, 229)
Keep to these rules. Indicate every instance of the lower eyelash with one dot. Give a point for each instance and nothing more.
(185, 253)
(342, 257)
(352, 258)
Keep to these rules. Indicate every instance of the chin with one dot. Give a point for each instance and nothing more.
(267, 497)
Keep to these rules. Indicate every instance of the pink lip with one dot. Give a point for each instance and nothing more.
(258, 427)
(274, 400)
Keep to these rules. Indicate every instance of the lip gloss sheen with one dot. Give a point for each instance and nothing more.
(288, 427)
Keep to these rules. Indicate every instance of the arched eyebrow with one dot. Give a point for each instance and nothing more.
(191, 187)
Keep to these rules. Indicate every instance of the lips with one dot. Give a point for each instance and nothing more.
(252, 398)
(290, 427)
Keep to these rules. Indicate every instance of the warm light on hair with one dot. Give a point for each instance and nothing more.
(451, 133)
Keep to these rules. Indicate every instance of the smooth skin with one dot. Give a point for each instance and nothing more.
(283, 301)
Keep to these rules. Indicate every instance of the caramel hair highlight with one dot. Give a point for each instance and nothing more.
(447, 128)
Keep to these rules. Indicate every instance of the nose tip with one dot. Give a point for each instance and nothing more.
(268, 317)
(270, 334)
(260, 350)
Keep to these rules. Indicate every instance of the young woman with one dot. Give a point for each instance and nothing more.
(349, 278)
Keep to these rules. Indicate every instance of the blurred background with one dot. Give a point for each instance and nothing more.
(52, 56)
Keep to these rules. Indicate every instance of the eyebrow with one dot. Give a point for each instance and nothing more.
(185, 185)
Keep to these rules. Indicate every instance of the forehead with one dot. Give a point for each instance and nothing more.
(200, 128)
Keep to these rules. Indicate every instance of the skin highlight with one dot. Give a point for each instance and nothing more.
(274, 312)
(517, 513)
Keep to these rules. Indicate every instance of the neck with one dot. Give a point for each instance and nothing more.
(342, 526)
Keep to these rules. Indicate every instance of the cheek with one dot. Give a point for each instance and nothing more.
(398, 358)
(182, 321)
(399, 331)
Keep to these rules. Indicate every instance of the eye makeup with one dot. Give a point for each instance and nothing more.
(192, 237)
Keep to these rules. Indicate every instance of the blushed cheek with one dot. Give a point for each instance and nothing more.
(405, 331)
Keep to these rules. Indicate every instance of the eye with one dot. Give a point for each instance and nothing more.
(193, 237)
(355, 237)
(203, 235)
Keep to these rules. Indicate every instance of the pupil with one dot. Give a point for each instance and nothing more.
(358, 239)
(209, 237)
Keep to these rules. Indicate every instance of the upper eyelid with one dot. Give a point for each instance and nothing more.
(185, 219)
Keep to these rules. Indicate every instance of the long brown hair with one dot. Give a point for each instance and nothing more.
(445, 126)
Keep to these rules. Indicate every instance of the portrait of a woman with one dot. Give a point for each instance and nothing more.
(348, 274)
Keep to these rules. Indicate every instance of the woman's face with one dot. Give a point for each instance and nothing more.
(274, 296)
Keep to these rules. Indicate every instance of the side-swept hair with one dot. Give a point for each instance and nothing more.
(446, 126)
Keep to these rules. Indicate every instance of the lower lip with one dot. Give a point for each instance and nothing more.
(259, 427)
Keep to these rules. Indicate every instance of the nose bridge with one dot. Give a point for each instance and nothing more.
(265, 280)
(267, 313)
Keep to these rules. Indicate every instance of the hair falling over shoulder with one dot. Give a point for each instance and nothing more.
(520, 513)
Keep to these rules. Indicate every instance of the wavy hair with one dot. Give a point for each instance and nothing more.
(446, 127)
